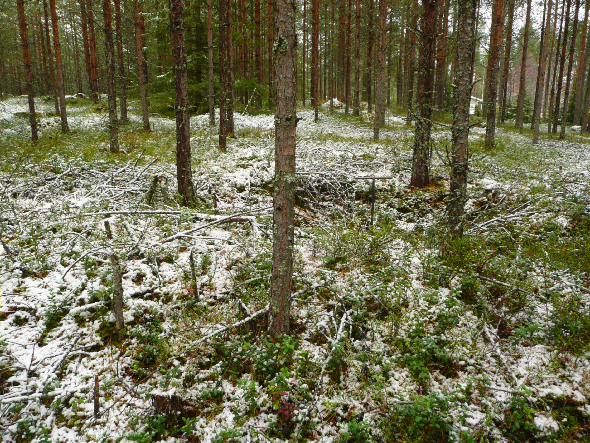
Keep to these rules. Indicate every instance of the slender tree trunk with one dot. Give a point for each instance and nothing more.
(555, 66)
(357, 60)
(87, 60)
(285, 180)
(332, 73)
(210, 57)
(381, 80)
(411, 64)
(229, 108)
(582, 68)
(522, 84)
(304, 53)
(541, 72)
(181, 104)
(50, 57)
(506, 62)
(111, 82)
(348, 57)
(257, 48)
(399, 97)
(60, 75)
(22, 21)
(425, 97)
(122, 82)
(76, 54)
(46, 88)
(466, 40)
(223, 72)
(441, 58)
(556, 112)
(315, 55)
(370, 44)
(270, 60)
(93, 51)
(341, 49)
(141, 77)
(545, 94)
(570, 67)
(492, 86)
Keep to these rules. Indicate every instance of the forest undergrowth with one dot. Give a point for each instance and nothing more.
(391, 341)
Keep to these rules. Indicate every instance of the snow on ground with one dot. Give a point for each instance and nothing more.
(377, 333)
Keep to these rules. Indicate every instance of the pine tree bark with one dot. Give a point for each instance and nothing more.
(315, 55)
(181, 104)
(411, 63)
(466, 41)
(341, 49)
(541, 73)
(381, 79)
(50, 57)
(441, 58)
(271, 79)
(257, 49)
(570, 67)
(93, 52)
(357, 60)
(141, 74)
(285, 180)
(399, 97)
(348, 57)
(582, 69)
(556, 111)
(303, 52)
(522, 83)
(24, 38)
(210, 58)
(506, 63)
(120, 62)
(545, 97)
(555, 67)
(369, 66)
(223, 73)
(425, 97)
(87, 60)
(493, 67)
(59, 68)
(111, 81)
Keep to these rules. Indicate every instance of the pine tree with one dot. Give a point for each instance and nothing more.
(22, 21)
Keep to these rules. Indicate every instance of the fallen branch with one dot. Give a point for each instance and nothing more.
(228, 219)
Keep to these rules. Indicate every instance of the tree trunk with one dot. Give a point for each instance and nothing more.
(522, 84)
(555, 66)
(87, 59)
(341, 49)
(582, 68)
(381, 80)
(141, 77)
(59, 67)
(22, 21)
(357, 60)
(210, 59)
(541, 73)
(493, 59)
(223, 72)
(50, 57)
(303, 52)
(181, 104)
(285, 181)
(332, 73)
(111, 82)
(315, 55)
(441, 58)
(348, 57)
(270, 60)
(93, 52)
(570, 67)
(425, 97)
(545, 94)
(399, 97)
(122, 82)
(466, 40)
(369, 67)
(257, 48)
(410, 64)
(566, 26)
(506, 62)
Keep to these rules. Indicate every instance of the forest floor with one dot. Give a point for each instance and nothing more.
(390, 341)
